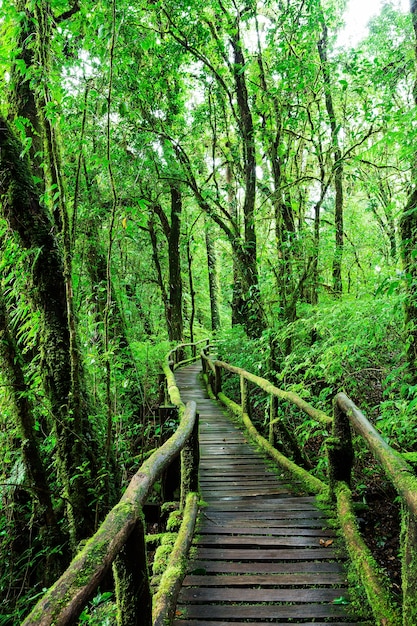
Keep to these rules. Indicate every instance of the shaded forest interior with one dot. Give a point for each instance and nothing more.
(170, 172)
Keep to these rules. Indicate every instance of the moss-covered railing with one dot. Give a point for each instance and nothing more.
(119, 543)
(340, 456)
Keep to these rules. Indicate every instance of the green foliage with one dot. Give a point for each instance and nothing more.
(352, 345)
(101, 611)
(172, 114)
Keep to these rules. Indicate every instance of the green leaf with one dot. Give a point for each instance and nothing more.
(340, 600)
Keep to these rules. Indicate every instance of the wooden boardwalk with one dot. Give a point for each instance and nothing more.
(262, 553)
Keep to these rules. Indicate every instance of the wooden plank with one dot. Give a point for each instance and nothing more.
(237, 530)
(299, 502)
(258, 477)
(242, 554)
(224, 483)
(239, 482)
(262, 524)
(224, 474)
(248, 580)
(208, 622)
(226, 594)
(262, 567)
(262, 611)
(219, 514)
(252, 489)
(259, 540)
(259, 506)
(242, 494)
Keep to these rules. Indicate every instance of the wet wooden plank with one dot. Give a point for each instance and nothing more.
(262, 567)
(242, 554)
(207, 622)
(278, 514)
(271, 580)
(262, 524)
(241, 494)
(259, 540)
(262, 611)
(227, 595)
(260, 506)
(238, 529)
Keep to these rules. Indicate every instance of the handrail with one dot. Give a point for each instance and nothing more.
(403, 478)
(399, 472)
(120, 538)
(177, 352)
(340, 455)
(264, 384)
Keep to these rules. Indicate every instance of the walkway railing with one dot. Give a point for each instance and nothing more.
(119, 543)
(340, 456)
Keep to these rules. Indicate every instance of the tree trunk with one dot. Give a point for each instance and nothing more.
(157, 263)
(176, 325)
(408, 230)
(212, 279)
(337, 156)
(251, 310)
(77, 463)
(52, 536)
(191, 286)
(22, 101)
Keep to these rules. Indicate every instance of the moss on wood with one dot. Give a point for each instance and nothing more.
(164, 600)
(264, 384)
(65, 600)
(409, 566)
(375, 582)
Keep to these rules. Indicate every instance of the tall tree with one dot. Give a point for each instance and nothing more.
(28, 219)
(337, 156)
(408, 229)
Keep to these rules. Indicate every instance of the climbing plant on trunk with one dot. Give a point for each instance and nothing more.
(70, 409)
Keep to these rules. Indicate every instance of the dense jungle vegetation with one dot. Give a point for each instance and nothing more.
(173, 171)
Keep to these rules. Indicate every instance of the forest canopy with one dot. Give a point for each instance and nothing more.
(172, 171)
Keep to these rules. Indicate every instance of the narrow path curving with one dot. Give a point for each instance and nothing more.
(261, 553)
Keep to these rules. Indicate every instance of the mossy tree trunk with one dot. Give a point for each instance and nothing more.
(212, 279)
(176, 325)
(21, 101)
(408, 233)
(171, 296)
(29, 221)
(251, 311)
(322, 47)
(45, 518)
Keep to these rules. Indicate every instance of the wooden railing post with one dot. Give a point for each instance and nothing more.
(217, 380)
(339, 448)
(273, 413)
(190, 459)
(162, 390)
(245, 397)
(130, 569)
